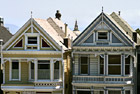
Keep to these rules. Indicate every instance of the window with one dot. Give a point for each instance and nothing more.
(114, 92)
(32, 70)
(101, 65)
(15, 69)
(19, 44)
(138, 70)
(102, 35)
(128, 92)
(56, 70)
(114, 64)
(44, 44)
(127, 65)
(32, 40)
(43, 69)
(84, 64)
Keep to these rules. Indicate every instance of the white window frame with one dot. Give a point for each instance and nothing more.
(100, 40)
(32, 35)
(88, 63)
(10, 71)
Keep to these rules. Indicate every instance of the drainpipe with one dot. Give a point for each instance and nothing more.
(63, 72)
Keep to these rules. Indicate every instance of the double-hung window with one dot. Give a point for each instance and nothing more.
(127, 65)
(114, 64)
(101, 65)
(56, 70)
(84, 64)
(32, 70)
(15, 70)
(44, 69)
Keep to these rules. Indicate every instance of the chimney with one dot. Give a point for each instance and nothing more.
(119, 13)
(58, 15)
(67, 41)
(1, 21)
(135, 37)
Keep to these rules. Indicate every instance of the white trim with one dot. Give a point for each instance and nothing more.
(16, 38)
(36, 69)
(3, 73)
(10, 71)
(51, 70)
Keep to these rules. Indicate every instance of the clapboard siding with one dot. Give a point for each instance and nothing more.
(93, 64)
(76, 64)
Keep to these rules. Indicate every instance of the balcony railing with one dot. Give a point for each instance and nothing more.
(50, 84)
(102, 79)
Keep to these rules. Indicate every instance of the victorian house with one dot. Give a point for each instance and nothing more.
(104, 57)
(37, 58)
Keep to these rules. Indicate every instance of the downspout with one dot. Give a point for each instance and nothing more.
(63, 72)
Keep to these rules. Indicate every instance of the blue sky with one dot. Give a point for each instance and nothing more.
(17, 12)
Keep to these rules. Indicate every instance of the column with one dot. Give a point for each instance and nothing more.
(92, 90)
(106, 91)
(123, 91)
(123, 65)
(52, 69)
(106, 64)
(36, 70)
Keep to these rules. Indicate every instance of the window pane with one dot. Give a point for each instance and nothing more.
(32, 70)
(114, 92)
(32, 40)
(127, 60)
(116, 70)
(44, 44)
(102, 35)
(128, 92)
(127, 69)
(83, 92)
(43, 71)
(84, 60)
(15, 70)
(101, 69)
(56, 70)
(98, 92)
(84, 69)
(19, 44)
(114, 59)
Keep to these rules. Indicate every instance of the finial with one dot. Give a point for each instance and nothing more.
(31, 14)
(102, 9)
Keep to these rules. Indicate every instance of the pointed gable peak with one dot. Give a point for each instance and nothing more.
(76, 26)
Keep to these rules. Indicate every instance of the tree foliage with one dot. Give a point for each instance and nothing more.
(138, 31)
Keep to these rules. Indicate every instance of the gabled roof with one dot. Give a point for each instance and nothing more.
(5, 34)
(112, 21)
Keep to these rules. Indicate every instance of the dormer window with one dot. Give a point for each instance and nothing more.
(32, 40)
(102, 36)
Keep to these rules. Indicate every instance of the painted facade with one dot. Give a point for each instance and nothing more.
(104, 57)
(35, 60)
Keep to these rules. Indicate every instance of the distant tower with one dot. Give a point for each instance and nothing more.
(76, 26)
(76, 31)
(58, 15)
(1, 21)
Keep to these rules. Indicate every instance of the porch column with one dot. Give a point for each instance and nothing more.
(52, 69)
(92, 90)
(105, 91)
(123, 91)
(123, 65)
(36, 70)
(106, 64)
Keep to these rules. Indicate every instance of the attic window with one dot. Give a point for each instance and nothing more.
(44, 44)
(102, 35)
(32, 40)
(19, 44)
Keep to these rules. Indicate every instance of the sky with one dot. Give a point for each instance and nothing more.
(17, 12)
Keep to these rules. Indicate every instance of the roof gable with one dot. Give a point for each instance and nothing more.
(103, 24)
(31, 31)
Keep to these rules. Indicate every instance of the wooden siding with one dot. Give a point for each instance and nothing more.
(24, 74)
